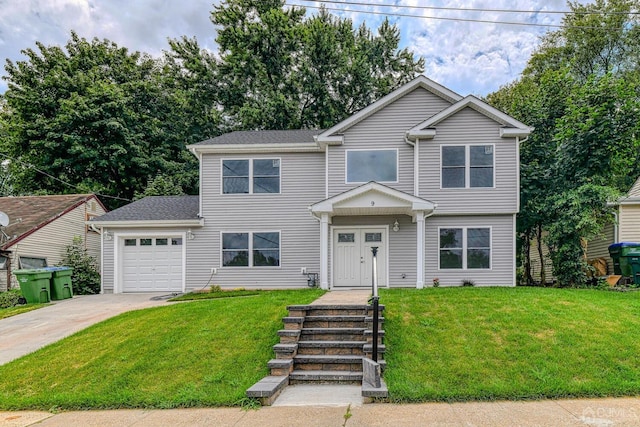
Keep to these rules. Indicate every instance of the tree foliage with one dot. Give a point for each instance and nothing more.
(580, 91)
(85, 277)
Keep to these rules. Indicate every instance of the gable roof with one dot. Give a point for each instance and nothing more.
(633, 196)
(30, 213)
(512, 127)
(333, 134)
(154, 210)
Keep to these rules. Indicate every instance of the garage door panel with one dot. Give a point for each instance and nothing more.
(154, 267)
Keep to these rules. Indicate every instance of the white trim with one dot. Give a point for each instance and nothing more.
(514, 254)
(200, 184)
(420, 249)
(324, 249)
(346, 165)
(298, 147)
(385, 228)
(517, 175)
(152, 223)
(416, 168)
(101, 260)
(250, 249)
(467, 166)
(465, 247)
(421, 81)
(250, 176)
(119, 236)
(326, 173)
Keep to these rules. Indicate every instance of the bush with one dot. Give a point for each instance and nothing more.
(85, 277)
(10, 298)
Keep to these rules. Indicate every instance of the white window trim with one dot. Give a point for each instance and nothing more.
(467, 166)
(44, 258)
(250, 233)
(346, 165)
(465, 247)
(250, 160)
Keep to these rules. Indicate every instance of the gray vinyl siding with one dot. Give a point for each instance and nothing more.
(385, 129)
(51, 240)
(502, 251)
(108, 249)
(401, 245)
(629, 218)
(301, 184)
(598, 247)
(470, 127)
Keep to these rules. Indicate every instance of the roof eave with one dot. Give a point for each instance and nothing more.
(299, 147)
(148, 223)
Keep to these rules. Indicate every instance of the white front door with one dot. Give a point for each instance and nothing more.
(353, 258)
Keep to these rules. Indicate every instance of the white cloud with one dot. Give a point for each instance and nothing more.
(467, 57)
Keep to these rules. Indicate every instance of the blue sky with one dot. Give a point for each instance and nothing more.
(468, 57)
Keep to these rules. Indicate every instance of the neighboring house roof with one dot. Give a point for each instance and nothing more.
(152, 210)
(30, 213)
(633, 197)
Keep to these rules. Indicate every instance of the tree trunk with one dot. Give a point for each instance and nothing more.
(543, 272)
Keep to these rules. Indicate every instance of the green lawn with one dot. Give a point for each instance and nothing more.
(499, 343)
(12, 311)
(444, 344)
(201, 353)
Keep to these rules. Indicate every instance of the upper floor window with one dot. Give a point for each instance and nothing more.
(250, 176)
(465, 248)
(467, 166)
(372, 165)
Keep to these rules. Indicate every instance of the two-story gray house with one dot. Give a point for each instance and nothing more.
(429, 177)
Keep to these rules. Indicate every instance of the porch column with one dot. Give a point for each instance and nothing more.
(420, 249)
(324, 251)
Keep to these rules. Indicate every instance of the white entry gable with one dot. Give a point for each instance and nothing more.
(372, 199)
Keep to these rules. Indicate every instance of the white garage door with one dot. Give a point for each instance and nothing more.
(152, 264)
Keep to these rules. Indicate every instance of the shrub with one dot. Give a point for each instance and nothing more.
(467, 282)
(10, 298)
(85, 277)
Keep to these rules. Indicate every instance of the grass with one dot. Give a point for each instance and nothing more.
(460, 344)
(12, 311)
(203, 353)
(213, 295)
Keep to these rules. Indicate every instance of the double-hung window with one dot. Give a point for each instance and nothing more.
(250, 176)
(465, 248)
(255, 249)
(467, 166)
(371, 165)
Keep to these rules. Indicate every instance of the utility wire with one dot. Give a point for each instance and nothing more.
(68, 184)
(481, 21)
(463, 9)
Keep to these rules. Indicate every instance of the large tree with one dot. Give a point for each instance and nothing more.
(280, 69)
(89, 117)
(580, 91)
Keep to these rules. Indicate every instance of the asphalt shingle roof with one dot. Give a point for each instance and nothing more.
(156, 208)
(264, 137)
(27, 213)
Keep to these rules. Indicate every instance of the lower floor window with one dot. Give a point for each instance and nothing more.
(465, 248)
(255, 249)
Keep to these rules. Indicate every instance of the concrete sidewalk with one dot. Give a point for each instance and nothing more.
(28, 332)
(552, 413)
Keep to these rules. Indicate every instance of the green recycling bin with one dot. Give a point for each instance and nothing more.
(621, 253)
(60, 282)
(635, 269)
(34, 285)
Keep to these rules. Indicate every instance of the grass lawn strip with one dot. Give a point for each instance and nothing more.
(213, 295)
(500, 343)
(12, 311)
(204, 353)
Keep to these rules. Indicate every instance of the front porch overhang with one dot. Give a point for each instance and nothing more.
(372, 198)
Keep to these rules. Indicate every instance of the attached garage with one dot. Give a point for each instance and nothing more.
(145, 244)
(152, 264)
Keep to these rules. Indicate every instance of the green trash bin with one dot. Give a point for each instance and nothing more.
(34, 284)
(621, 253)
(635, 269)
(60, 282)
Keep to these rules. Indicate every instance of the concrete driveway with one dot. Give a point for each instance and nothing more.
(28, 332)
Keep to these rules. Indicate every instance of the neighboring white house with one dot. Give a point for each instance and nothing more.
(429, 177)
(41, 227)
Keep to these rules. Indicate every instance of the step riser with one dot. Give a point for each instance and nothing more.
(330, 351)
(353, 367)
(336, 312)
(330, 336)
(288, 340)
(340, 382)
(334, 324)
